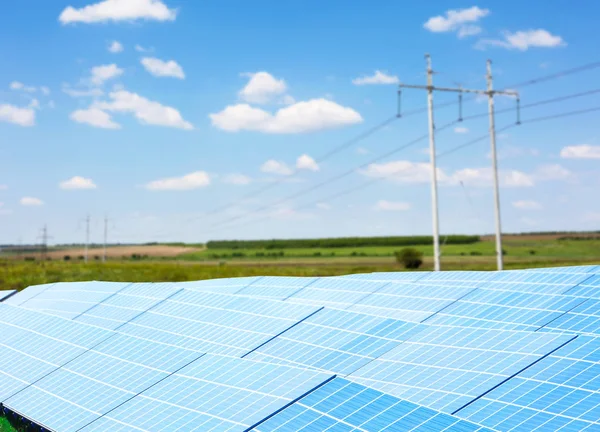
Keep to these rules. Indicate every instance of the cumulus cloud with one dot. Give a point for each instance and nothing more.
(34, 104)
(461, 130)
(195, 180)
(94, 117)
(237, 179)
(305, 162)
(377, 78)
(146, 111)
(118, 10)
(140, 48)
(45, 90)
(100, 74)
(552, 172)
(160, 68)
(115, 47)
(31, 201)
(527, 205)
(483, 177)
(93, 92)
(384, 205)
(276, 167)
(523, 40)
(301, 117)
(16, 115)
(461, 20)
(16, 85)
(77, 182)
(262, 88)
(582, 151)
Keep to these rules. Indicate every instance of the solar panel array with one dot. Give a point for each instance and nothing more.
(423, 351)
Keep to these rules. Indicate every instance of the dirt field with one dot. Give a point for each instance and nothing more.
(529, 237)
(126, 251)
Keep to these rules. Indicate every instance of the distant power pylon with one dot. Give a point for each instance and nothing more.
(87, 237)
(44, 246)
(490, 92)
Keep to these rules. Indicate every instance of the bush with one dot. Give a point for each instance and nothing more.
(97, 257)
(80, 257)
(317, 254)
(475, 253)
(67, 258)
(410, 258)
(504, 252)
(29, 258)
(532, 252)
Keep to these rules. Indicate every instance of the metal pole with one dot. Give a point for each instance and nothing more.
(105, 237)
(490, 91)
(432, 155)
(87, 236)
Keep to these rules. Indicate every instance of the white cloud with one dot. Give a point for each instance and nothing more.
(262, 88)
(34, 104)
(276, 167)
(403, 171)
(77, 182)
(483, 177)
(16, 115)
(552, 172)
(3, 187)
(31, 201)
(301, 117)
(94, 117)
(323, 206)
(527, 205)
(523, 40)
(362, 151)
(460, 20)
(384, 205)
(191, 181)
(100, 74)
(118, 10)
(237, 179)
(461, 130)
(582, 151)
(146, 111)
(160, 68)
(115, 47)
(93, 92)
(305, 162)
(45, 90)
(377, 78)
(140, 48)
(512, 152)
(16, 85)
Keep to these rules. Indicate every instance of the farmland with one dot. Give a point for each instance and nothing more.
(177, 262)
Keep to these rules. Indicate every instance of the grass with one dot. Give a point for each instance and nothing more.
(5, 425)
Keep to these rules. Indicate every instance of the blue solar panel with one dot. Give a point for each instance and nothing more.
(588, 288)
(409, 302)
(278, 288)
(343, 406)
(560, 392)
(71, 299)
(389, 276)
(28, 293)
(213, 393)
(582, 319)
(336, 292)
(216, 323)
(4, 294)
(98, 381)
(446, 367)
(507, 310)
(568, 269)
(336, 341)
(535, 281)
(472, 277)
(126, 304)
(222, 286)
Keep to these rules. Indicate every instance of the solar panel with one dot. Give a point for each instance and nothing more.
(458, 276)
(277, 288)
(389, 276)
(71, 299)
(97, 381)
(588, 288)
(444, 368)
(336, 292)
(568, 269)
(560, 392)
(341, 405)
(4, 294)
(408, 302)
(222, 286)
(581, 319)
(216, 323)
(213, 393)
(336, 341)
(507, 310)
(535, 282)
(26, 294)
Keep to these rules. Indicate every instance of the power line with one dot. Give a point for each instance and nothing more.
(440, 155)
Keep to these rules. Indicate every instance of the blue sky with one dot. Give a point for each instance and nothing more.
(156, 112)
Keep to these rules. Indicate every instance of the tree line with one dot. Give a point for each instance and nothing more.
(338, 242)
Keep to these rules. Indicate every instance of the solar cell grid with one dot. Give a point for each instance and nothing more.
(26, 294)
(222, 286)
(446, 367)
(335, 292)
(336, 341)
(231, 325)
(341, 405)
(588, 288)
(560, 392)
(213, 393)
(389, 276)
(582, 319)
(458, 276)
(278, 288)
(4, 294)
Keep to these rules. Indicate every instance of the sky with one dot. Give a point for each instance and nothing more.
(180, 120)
